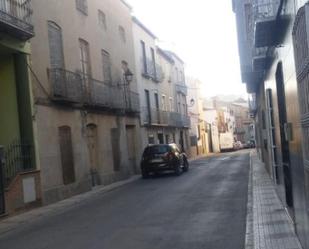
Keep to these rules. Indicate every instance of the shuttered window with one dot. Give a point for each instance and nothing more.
(66, 152)
(107, 69)
(55, 45)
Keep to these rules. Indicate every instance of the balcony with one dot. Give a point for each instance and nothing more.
(178, 120)
(74, 88)
(252, 105)
(66, 86)
(156, 117)
(260, 60)
(268, 27)
(16, 18)
(181, 88)
(132, 104)
(152, 71)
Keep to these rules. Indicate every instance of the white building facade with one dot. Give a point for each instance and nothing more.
(162, 90)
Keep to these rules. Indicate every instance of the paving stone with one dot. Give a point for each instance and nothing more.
(271, 225)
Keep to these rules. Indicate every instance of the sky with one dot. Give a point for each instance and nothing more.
(203, 34)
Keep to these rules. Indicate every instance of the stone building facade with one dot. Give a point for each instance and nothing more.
(86, 104)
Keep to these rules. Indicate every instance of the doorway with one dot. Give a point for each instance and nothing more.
(160, 138)
(285, 151)
(131, 145)
(92, 143)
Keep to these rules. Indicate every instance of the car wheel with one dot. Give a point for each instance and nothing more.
(145, 174)
(178, 170)
(185, 165)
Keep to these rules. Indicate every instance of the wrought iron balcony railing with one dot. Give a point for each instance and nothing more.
(179, 120)
(152, 70)
(252, 104)
(181, 88)
(16, 18)
(158, 117)
(266, 30)
(132, 102)
(75, 88)
(66, 86)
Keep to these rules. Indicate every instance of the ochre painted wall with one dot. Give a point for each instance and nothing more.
(9, 120)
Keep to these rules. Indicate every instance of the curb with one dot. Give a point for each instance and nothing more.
(10, 223)
(249, 242)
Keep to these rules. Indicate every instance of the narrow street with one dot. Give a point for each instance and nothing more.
(204, 208)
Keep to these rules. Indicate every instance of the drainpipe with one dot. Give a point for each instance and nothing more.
(2, 193)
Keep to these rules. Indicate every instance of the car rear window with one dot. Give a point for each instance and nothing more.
(160, 149)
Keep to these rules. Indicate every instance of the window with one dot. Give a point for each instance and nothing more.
(156, 98)
(181, 77)
(163, 103)
(144, 59)
(171, 104)
(66, 153)
(176, 74)
(82, 6)
(102, 19)
(122, 33)
(153, 59)
(107, 69)
(85, 58)
(55, 45)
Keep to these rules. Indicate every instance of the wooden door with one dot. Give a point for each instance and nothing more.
(92, 143)
(66, 152)
(131, 145)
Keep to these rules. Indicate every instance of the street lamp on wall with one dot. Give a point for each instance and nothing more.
(128, 76)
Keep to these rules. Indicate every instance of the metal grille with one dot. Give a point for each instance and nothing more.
(18, 158)
(264, 9)
(66, 85)
(152, 70)
(17, 13)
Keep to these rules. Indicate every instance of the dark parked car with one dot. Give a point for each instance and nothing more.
(163, 157)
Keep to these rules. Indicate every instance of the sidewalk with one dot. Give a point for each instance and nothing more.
(268, 224)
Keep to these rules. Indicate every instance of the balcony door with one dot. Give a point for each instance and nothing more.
(55, 45)
(148, 107)
(56, 59)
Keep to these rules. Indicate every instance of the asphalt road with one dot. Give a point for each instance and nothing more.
(202, 209)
